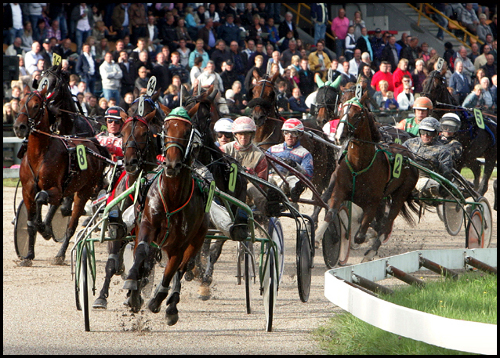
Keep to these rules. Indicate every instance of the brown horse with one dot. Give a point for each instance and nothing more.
(265, 115)
(476, 142)
(173, 220)
(364, 176)
(49, 171)
(139, 151)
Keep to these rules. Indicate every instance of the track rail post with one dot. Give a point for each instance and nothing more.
(403, 276)
(372, 286)
(480, 265)
(428, 264)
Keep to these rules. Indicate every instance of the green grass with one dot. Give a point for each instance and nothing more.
(473, 297)
(467, 173)
(11, 182)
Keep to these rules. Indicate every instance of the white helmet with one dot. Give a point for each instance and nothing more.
(450, 122)
(293, 124)
(244, 124)
(429, 124)
(224, 125)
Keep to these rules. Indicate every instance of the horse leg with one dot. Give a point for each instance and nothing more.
(113, 265)
(206, 278)
(46, 229)
(32, 230)
(42, 198)
(161, 291)
(171, 313)
(67, 202)
(369, 212)
(78, 209)
(475, 167)
(488, 169)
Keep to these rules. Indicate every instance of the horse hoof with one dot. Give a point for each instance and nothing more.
(359, 239)
(172, 319)
(189, 276)
(130, 285)
(58, 260)
(135, 301)
(100, 303)
(46, 232)
(26, 263)
(204, 293)
(369, 255)
(153, 307)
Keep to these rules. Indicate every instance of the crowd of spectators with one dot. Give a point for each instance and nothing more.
(111, 50)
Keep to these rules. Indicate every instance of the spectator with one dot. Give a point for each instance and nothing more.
(86, 68)
(259, 61)
(294, 77)
(13, 21)
(442, 8)
(282, 98)
(239, 97)
(288, 25)
(141, 82)
(320, 17)
(381, 96)
(15, 48)
(483, 28)
(339, 28)
(286, 56)
(469, 19)
(229, 31)
(276, 58)
(297, 102)
(411, 53)
(273, 37)
(22, 69)
(27, 36)
(200, 16)
(475, 98)
(143, 61)
(383, 74)
(141, 46)
(480, 61)
(346, 75)
(231, 103)
(474, 52)
(239, 60)
(449, 55)
(460, 82)
(479, 74)
(120, 20)
(191, 24)
(220, 55)
(377, 43)
(184, 53)
(232, 9)
(490, 68)
(306, 78)
(391, 52)
(390, 103)
(405, 98)
(129, 73)
(183, 34)
(363, 42)
(350, 43)
(209, 77)
(73, 84)
(493, 26)
(424, 53)
(403, 41)
(40, 32)
(172, 99)
(319, 60)
(229, 76)
(93, 109)
(487, 97)
(250, 49)
(82, 17)
(418, 76)
(358, 24)
(259, 50)
(168, 32)
(32, 57)
(355, 63)
(468, 66)
(177, 69)
(399, 73)
(296, 63)
(138, 21)
(493, 89)
(222, 13)
(199, 51)
(365, 62)
(367, 72)
(334, 66)
(196, 69)
(100, 31)
(126, 102)
(111, 75)
(161, 71)
(255, 30)
(208, 35)
(8, 115)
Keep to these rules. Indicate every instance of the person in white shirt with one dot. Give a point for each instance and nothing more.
(209, 77)
(405, 97)
(355, 62)
(111, 75)
(17, 28)
(32, 57)
(83, 25)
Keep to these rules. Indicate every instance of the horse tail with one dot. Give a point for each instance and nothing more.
(408, 207)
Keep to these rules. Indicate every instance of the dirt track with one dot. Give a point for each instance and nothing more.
(40, 316)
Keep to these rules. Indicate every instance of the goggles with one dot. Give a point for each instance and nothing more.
(116, 121)
(448, 128)
(427, 133)
(228, 135)
(291, 133)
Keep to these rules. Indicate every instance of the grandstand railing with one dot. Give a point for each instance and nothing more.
(425, 7)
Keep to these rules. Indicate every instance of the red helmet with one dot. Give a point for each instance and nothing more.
(293, 124)
(244, 124)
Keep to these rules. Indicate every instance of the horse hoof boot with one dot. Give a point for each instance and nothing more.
(100, 303)
(46, 231)
(26, 263)
(238, 232)
(130, 285)
(172, 319)
(204, 293)
(58, 260)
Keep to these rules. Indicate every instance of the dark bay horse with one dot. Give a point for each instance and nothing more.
(49, 172)
(364, 176)
(476, 142)
(173, 220)
(139, 150)
(267, 119)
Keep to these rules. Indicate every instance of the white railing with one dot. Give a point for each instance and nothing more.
(7, 172)
(474, 337)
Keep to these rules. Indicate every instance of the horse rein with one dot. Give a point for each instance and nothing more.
(31, 120)
(135, 144)
(174, 144)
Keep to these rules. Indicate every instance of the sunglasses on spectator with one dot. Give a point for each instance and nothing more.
(225, 134)
(117, 121)
(293, 134)
(427, 133)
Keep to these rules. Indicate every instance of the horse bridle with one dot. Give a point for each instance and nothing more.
(31, 120)
(173, 143)
(328, 106)
(266, 105)
(134, 143)
(352, 127)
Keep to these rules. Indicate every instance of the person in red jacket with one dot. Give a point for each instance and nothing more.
(112, 138)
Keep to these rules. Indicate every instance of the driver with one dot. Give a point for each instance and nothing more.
(450, 124)
(250, 156)
(432, 154)
(422, 108)
(295, 155)
(223, 128)
(112, 138)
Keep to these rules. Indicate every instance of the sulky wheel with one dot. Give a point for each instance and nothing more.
(344, 235)
(270, 286)
(84, 287)
(487, 221)
(248, 272)
(452, 217)
(21, 237)
(304, 260)
(331, 242)
(59, 225)
(474, 233)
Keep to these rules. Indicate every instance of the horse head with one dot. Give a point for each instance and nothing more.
(264, 98)
(32, 113)
(138, 142)
(327, 100)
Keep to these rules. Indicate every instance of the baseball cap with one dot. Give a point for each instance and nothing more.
(229, 62)
(46, 41)
(377, 30)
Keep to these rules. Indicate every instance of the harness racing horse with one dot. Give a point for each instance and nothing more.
(49, 172)
(364, 176)
(173, 220)
(476, 142)
(265, 115)
(139, 150)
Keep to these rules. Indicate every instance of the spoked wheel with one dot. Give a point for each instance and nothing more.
(304, 264)
(59, 225)
(248, 271)
(474, 234)
(487, 221)
(345, 238)
(84, 287)
(452, 217)
(276, 234)
(331, 243)
(21, 236)
(270, 286)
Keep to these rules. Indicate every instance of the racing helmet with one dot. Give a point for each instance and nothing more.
(450, 122)
(423, 103)
(243, 124)
(293, 125)
(114, 112)
(429, 124)
(224, 125)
